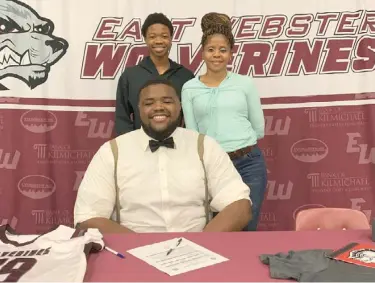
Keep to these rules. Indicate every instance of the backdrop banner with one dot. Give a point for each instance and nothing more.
(313, 63)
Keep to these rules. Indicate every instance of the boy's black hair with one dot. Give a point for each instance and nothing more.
(156, 18)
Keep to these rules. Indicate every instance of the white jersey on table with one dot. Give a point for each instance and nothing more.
(54, 256)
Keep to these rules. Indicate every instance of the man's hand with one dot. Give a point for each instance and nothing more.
(105, 226)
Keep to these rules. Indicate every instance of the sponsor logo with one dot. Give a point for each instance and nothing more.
(36, 186)
(52, 217)
(38, 121)
(309, 150)
(267, 221)
(61, 154)
(338, 182)
(268, 153)
(338, 117)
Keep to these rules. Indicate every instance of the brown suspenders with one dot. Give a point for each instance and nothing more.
(200, 153)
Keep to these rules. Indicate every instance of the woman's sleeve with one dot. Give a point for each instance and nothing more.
(188, 110)
(255, 111)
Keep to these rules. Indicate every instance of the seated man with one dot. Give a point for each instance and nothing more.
(162, 185)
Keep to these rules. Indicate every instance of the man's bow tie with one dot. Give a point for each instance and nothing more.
(154, 145)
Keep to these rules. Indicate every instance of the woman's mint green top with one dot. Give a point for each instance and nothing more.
(230, 113)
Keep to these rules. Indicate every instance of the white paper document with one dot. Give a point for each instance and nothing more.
(177, 256)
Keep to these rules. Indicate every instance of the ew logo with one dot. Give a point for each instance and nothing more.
(366, 154)
(8, 162)
(280, 191)
(278, 127)
(96, 129)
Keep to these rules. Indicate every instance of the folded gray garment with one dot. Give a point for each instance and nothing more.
(315, 266)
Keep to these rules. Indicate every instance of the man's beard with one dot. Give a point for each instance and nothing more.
(161, 135)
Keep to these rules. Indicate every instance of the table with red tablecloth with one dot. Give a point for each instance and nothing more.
(241, 248)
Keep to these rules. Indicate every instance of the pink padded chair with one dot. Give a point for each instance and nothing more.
(331, 219)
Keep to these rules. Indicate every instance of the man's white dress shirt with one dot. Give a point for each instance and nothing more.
(161, 191)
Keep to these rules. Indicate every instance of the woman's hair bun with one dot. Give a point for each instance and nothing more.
(213, 20)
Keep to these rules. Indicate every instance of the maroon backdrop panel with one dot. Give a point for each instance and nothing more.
(43, 156)
(316, 157)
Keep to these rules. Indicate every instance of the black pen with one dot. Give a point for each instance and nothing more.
(178, 243)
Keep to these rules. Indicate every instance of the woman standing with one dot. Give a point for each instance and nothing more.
(226, 106)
